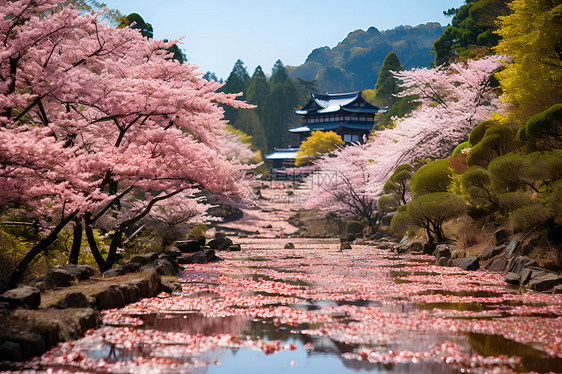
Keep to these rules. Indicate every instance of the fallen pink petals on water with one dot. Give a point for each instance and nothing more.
(376, 306)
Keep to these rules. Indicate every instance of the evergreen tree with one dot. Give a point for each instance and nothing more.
(386, 84)
(249, 122)
(471, 33)
(237, 82)
(278, 73)
(279, 115)
(258, 91)
(210, 76)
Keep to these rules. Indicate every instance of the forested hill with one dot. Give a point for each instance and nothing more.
(354, 63)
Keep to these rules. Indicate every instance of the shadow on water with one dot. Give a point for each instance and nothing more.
(531, 358)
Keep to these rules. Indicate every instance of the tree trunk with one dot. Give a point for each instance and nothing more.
(94, 249)
(17, 274)
(76, 243)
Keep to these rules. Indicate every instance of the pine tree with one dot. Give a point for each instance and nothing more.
(249, 122)
(386, 84)
(278, 73)
(279, 115)
(237, 82)
(258, 91)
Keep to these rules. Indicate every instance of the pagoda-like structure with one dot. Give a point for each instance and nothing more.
(347, 114)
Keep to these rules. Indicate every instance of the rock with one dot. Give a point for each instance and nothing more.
(115, 272)
(429, 248)
(289, 246)
(220, 235)
(529, 273)
(491, 251)
(557, 290)
(174, 252)
(544, 282)
(442, 250)
(134, 292)
(416, 247)
(220, 244)
(377, 235)
(350, 237)
(188, 246)
(512, 248)
(152, 256)
(500, 237)
(60, 277)
(512, 278)
(143, 260)
(131, 267)
(170, 285)
(143, 287)
(110, 298)
(517, 264)
(210, 254)
(345, 245)
(469, 263)
(385, 245)
(26, 297)
(443, 261)
(235, 248)
(198, 258)
(73, 300)
(164, 267)
(80, 272)
(10, 351)
(171, 259)
(497, 265)
(43, 283)
(401, 248)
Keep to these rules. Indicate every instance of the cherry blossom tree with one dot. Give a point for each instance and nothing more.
(453, 100)
(90, 114)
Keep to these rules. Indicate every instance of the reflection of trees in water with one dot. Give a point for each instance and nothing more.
(194, 323)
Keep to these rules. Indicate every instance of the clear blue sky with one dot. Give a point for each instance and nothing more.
(218, 32)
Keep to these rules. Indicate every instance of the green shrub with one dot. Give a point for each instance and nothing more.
(199, 231)
(458, 149)
(432, 177)
(543, 131)
(478, 132)
(498, 140)
(354, 227)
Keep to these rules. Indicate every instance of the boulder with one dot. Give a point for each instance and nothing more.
(544, 282)
(416, 247)
(345, 245)
(385, 245)
(235, 248)
(174, 252)
(10, 351)
(443, 261)
(512, 247)
(152, 256)
(220, 235)
(60, 277)
(143, 260)
(517, 264)
(401, 248)
(351, 237)
(25, 297)
(500, 237)
(220, 244)
(111, 297)
(80, 272)
(529, 273)
(115, 272)
(210, 254)
(188, 246)
(469, 263)
(442, 250)
(170, 285)
(497, 265)
(289, 246)
(131, 267)
(43, 283)
(73, 300)
(164, 267)
(429, 248)
(557, 290)
(143, 287)
(512, 278)
(491, 251)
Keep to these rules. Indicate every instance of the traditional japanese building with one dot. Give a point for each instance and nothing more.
(347, 114)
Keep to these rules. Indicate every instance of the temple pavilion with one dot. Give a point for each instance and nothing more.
(347, 114)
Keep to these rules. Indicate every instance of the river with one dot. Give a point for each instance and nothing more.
(316, 309)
